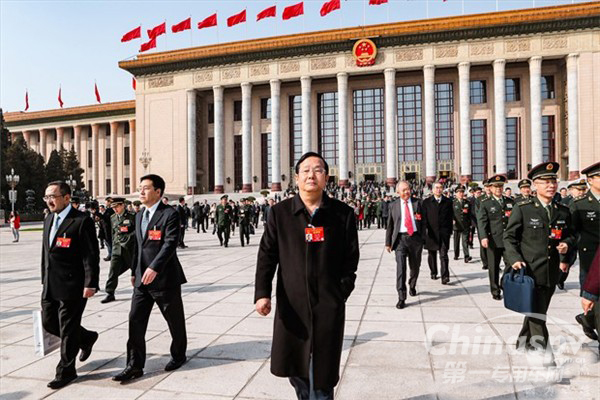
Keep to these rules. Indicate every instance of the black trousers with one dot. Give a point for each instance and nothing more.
(483, 255)
(494, 256)
(182, 236)
(534, 332)
(171, 306)
(63, 319)
(118, 264)
(458, 237)
(223, 233)
(410, 248)
(305, 389)
(245, 233)
(385, 222)
(432, 260)
(200, 224)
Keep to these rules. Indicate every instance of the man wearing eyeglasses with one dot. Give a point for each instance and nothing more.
(311, 242)
(70, 273)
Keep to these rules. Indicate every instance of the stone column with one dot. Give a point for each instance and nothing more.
(573, 113)
(429, 95)
(391, 127)
(43, 143)
(246, 137)
(77, 139)
(535, 93)
(60, 138)
(114, 149)
(305, 82)
(95, 160)
(342, 82)
(219, 139)
(500, 116)
(191, 140)
(464, 70)
(27, 138)
(132, 157)
(275, 135)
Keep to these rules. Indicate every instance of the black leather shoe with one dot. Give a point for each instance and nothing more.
(484, 267)
(128, 374)
(109, 297)
(589, 332)
(434, 276)
(467, 259)
(560, 285)
(173, 365)
(401, 304)
(497, 297)
(106, 258)
(412, 291)
(61, 383)
(87, 349)
(445, 281)
(456, 258)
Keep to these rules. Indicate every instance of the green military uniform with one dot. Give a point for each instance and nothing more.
(123, 234)
(492, 218)
(461, 226)
(585, 214)
(379, 213)
(245, 217)
(482, 250)
(534, 231)
(223, 218)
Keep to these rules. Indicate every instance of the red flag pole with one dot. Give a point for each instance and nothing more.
(191, 33)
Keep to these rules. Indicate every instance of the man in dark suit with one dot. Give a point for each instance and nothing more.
(403, 235)
(70, 272)
(157, 277)
(461, 212)
(437, 222)
(183, 218)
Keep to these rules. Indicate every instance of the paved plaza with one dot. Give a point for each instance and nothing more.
(386, 351)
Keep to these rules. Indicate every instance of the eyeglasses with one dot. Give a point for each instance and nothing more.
(316, 171)
(145, 188)
(52, 197)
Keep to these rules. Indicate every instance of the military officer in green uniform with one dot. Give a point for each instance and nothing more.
(462, 223)
(524, 190)
(245, 215)
(123, 233)
(478, 200)
(585, 214)
(577, 188)
(538, 237)
(223, 220)
(492, 218)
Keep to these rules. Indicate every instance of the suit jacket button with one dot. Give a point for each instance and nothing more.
(584, 249)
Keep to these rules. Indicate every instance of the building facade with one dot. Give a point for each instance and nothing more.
(463, 97)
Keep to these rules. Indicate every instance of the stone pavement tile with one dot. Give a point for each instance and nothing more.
(457, 314)
(235, 347)
(388, 354)
(162, 395)
(265, 385)
(27, 301)
(161, 343)
(239, 298)
(392, 331)
(21, 315)
(351, 329)
(104, 319)
(385, 300)
(211, 324)
(357, 299)
(460, 332)
(387, 288)
(390, 313)
(194, 307)
(115, 339)
(451, 384)
(210, 376)
(354, 313)
(23, 389)
(228, 310)
(475, 357)
(17, 332)
(76, 390)
(360, 383)
(253, 327)
(14, 357)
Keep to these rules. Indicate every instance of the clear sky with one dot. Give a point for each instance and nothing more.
(46, 44)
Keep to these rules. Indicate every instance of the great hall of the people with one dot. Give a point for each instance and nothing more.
(463, 97)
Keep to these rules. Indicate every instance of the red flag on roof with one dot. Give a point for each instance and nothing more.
(267, 12)
(97, 93)
(148, 45)
(26, 100)
(182, 26)
(133, 34)
(293, 11)
(330, 6)
(377, 2)
(157, 30)
(208, 22)
(60, 102)
(236, 19)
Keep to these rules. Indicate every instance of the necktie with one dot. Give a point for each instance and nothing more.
(145, 221)
(549, 211)
(408, 220)
(54, 228)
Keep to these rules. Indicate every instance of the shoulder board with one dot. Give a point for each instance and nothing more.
(523, 202)
(561, 205)
(486, 199)
(580, 198)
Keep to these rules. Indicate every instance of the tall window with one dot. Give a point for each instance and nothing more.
(237, 162)
(479, 149)
(90, 185)
(548, 87)
(444, 121)
(513, 133)
(478, 92)
(328, 126)
(237, 110)
(211, 164)
(295, 129)
(548, 138)
(410, 123)
(107, 157)
(90, 159)
(108, 190)
(126, 185)
(126, 155)
(265, 164)
(369, 143)
(512, 89)
(211, 113)
(265, 108)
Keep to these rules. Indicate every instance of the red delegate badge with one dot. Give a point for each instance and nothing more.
(63, 242)
(154, 235)
(418, 216)
(123, 229)
(507, 213)
(556, 234)
(314, 234)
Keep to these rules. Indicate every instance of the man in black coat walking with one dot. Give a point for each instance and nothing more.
(437, 217)
(311, 241)
(70, 273)
(183, 218)
(156, 277)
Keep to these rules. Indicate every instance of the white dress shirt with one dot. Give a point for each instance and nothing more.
(412, 216)
(54, 228)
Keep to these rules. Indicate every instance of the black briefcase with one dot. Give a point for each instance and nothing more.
(519, 290)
